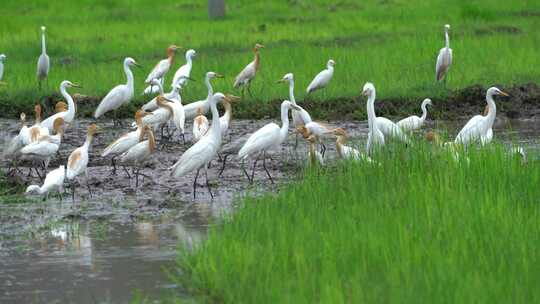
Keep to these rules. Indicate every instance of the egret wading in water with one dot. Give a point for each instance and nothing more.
(477, 128)
(247, 75)
(269, 137)
(2, 59)
(69, 115)
(444, 60)
(184, 72)
(300, 116)
(53, 181)
(139, 153)
(43, 64)
(375, 136)
(78, 160)
(414, 122)
(199, 155)
(323, 78)
(162, 67)
(126, 141)
(191, 109)
(119, 95)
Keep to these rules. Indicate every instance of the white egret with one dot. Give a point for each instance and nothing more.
(78, 160)
(269, 137)
(314, 157)
(152, 105)
(53, 181)
(477, 128)
(191, 109)
(153, 88)
(43, 64)
(414, 122)
(18, 141)
(140, 152)
(249, 72)
(120, 94)
(2, 59)
(200, 126)
(225, 119)
(126, 141)
(162, 67)
(161, 115)
(390, 129)
(184, 72)
(299, 115)
(323, 78)
(344, 151)
(46, 146)
(201, 153)
(69, 115)
(375, 136)
(444, 60)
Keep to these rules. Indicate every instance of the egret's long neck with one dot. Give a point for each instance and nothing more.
(228, 111)
(151, 142)
(175, 93)
(330, 68)
(43, 47)
(160, 87)
(284, 123)
(424, 111)
(88, 141)
(371, 111)
(189, 63)
(257, 60)
(340, 141)
(71, 105)
(447, 39)
(291, 91)
(216, 126)
(129, 76)
(209, 86)
(492, 109)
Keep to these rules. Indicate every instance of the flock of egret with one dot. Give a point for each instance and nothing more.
(40, 142)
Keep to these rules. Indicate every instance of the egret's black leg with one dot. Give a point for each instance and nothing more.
(223, 166)
(265, 169)
(195, 183)
(208, 184)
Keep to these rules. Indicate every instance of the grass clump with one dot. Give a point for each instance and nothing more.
(419, 227)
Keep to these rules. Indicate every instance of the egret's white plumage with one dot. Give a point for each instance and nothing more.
(2, 59)
(120, 94)
(225, 120)
(200, 126)
(375, 136)
(390, 129)
(37, 130)
(78, 159)
(53, 181)
(414, 122)
(152, 104)
(162, 67)
(299, 115)
(69, 115)
(323, 78)
(315, 158)
(344, 151)
(142, 150)
(191, 109)
(184, 72)
(43, 64)
(250, 71)
(161, 115)
(479, 127)
(46, 146)
(17, 142)
(444, 59)
(154, 89)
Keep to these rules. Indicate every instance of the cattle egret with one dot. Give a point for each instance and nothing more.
(323, 78)
(249, 72)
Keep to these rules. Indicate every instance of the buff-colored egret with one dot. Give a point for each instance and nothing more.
(414, 122)
(46, 146)
(444, 59)
(191, 109)
(78, 160)
(477, 127)
(126, 141)
(200, 125)
(249, 72)
(120, 94)
(43, 63)
(2, 59)
(375, 136)
(323, 78)
(344, 151)
(139, 153)
(225, 119)
(162, 67)
(60, 107)
(184, 72)
(174, 95)
(269, 137)
(67, 116)
(317, 129)
(161, 115)
(13, 148)
(37, 130)
(53, 181)
(199, 155)
(315, 158)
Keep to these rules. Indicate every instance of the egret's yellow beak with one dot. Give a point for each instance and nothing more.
(504, 93)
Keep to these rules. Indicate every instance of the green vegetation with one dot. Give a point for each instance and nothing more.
(419, 227)
(391, 43)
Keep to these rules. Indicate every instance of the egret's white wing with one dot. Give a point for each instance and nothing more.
(54, 179)
(444, 60)
(471, 131)
(195, 157)
(179, 118)
(77, 162)
(410, 123)
(40, 148)
(190, 110)
(113, 100)
(320, 81)
(123, 143)
(389, 128)
(183, 71)
(245, 75)
(43, 66)
(161, 68)
(137, 153)
(262, 139)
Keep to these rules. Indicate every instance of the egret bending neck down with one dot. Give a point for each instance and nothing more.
(424, 109)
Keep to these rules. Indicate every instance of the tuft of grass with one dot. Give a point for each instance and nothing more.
(391, 43)
(418, 227)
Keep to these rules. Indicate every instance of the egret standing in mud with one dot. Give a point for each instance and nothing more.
(191, 109)
(375, 136)
(139, 153)
(300, 117)
(161, 68)
(43, 64)
(184, 72)
(78, 160)
(126, 141)
(199, 155)
(161, 115)
(120, 94)
(323, 78)
(249, 72)
(444, 59)
(314, 157)
(53, 181)
(37, 130)
(477, 128)
(13, 148)
(46, 146)
(2, 59)
(344, 151)
(69, 115)
(414, 122)
(269, 137)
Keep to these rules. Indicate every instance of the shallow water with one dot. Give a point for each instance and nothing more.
(105, 247)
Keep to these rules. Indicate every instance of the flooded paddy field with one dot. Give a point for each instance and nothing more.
(106, 247)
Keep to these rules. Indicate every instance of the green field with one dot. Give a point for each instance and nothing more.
(419, 228)
(391, 43)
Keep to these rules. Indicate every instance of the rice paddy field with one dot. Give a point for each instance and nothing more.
(392, 43)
